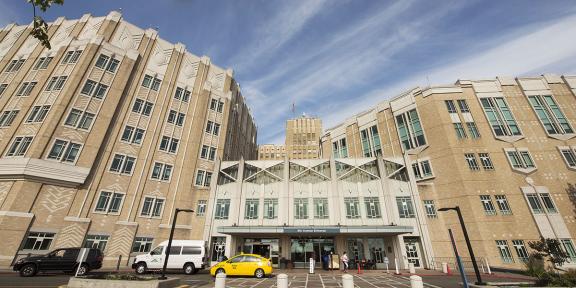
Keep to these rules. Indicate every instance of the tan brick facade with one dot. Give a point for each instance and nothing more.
(118, 128)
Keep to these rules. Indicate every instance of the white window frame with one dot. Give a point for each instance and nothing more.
(163, 168)
(521, 250)
(301, 208)
(412, 137)
(486, 161)
(19, 151)
(15, 65)
(43, 63)
(270, 208)
(222, 209)
(352, 205)
(369, 135)
(109, 202)
(210, 154)
(340, 148)
(320, 208)
(488, 205)
(182, 94)
(551, 115)
(142, 105)
(418, 167)
(251, 207)
(96, 240)
(201, 206)
(39, 237)
(430, 208)
(519, 155)
(122, 164)
(26, 88)
(216, 105)
(408, 210)
(142, 244)
(7, 117)
(503, 204)
(64, 152)
(571, 151)
(472, 161)
(204, 177)
(71, 56)
(150, 213)
(373, 207)
(80, 120)
(38, 113)
(504, 251)
(212, 128)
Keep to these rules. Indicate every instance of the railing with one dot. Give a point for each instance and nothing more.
(466, 262)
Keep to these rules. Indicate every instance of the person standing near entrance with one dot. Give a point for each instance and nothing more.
(345, 262)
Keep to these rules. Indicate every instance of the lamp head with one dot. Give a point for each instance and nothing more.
(446, 209)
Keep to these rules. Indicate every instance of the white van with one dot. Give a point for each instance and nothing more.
(188, 255)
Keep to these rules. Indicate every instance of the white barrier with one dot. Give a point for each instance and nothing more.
(220, 281)
(347, 281)
(282, 281)
(487, 266)
(416, 282)
(444, 267)
(396, 264)
(411, 268)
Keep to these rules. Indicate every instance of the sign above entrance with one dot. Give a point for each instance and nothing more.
(312, 230)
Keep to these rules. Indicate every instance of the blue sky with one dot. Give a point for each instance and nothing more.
(335, 58)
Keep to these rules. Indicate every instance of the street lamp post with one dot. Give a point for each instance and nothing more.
(470, 251)
(167, 251)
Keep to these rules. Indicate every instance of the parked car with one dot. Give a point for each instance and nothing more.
(245, 265)
(188, 255)
(66, 259)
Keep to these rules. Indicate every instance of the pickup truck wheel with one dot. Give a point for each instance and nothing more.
(82, 270)
(141, 268)
(189, 269)
(28, 270)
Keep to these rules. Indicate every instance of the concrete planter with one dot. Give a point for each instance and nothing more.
(102, 283)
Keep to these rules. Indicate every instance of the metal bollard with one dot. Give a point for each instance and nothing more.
(220, 280)
(411, 268)
(416, 282)
(347, 281)
(396, 264)
(282, 281)
(118, 264)
(444, 267)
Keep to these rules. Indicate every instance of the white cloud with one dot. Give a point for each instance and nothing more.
(527, 51)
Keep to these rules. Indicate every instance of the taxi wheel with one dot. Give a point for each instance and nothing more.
(259, 273)
(220, 270)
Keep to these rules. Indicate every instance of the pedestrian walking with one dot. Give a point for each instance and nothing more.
(345, 262)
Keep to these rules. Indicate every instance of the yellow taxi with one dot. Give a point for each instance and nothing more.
(245, 265)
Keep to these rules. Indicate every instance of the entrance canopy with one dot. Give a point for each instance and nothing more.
(319, 230)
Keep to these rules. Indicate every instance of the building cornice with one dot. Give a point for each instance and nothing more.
(42, 171)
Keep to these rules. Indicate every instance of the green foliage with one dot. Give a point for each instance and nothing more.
(549, 249)
(40, 29)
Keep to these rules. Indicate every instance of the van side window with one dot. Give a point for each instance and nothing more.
(157, 250)
(175, 250)
(189, 250)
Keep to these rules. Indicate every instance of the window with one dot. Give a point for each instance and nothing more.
(19, 146)
(161, 171)
(38, 241)
(142, 107)
(152, 207)
(430, 209)
(93, 89)
(212, 128)
(339, 148)
(352, 207)
(550, 115)
(15, 65)
(65, 151)
(133, 135)
(42, 63)
(320, 208)
(463, 106)
(107, 63)
(56, 83)
(26, 88)
(270, 208)
(371, 146)
(7, 117)
(251, 209)
(486, 161)
(109, 202)
(474, 133)
(521, 251)
(176, 118)
(182, 94)
(191, 250)
(410, 130)
(535, 203)
(142, 244)
(222, 209)
(96, 241)
(38, 114)
(489, 208)
(151, 82)
(123, 164)
(372, 207)
(169, 144)
(216, 105)
(504, 250)
(3, 88)
(203, 178)
(201, 207)
(71, 57)
(405, 207)
(569, 156)
(548, 203)
(500, 117)
(569, 248)
(450, 106)
(422, 169)
(471, 160)
(460, 132)
(503, 205)
(301, 208)
(79, 119)
(208, 152)
(520, 159)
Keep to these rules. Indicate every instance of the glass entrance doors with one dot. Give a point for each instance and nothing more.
(268, 248)
(302, 249)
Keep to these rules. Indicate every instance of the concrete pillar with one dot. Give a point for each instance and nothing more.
(282, 281)
(411, 268)
(416, 282)
(347, 281)
(220, 280)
